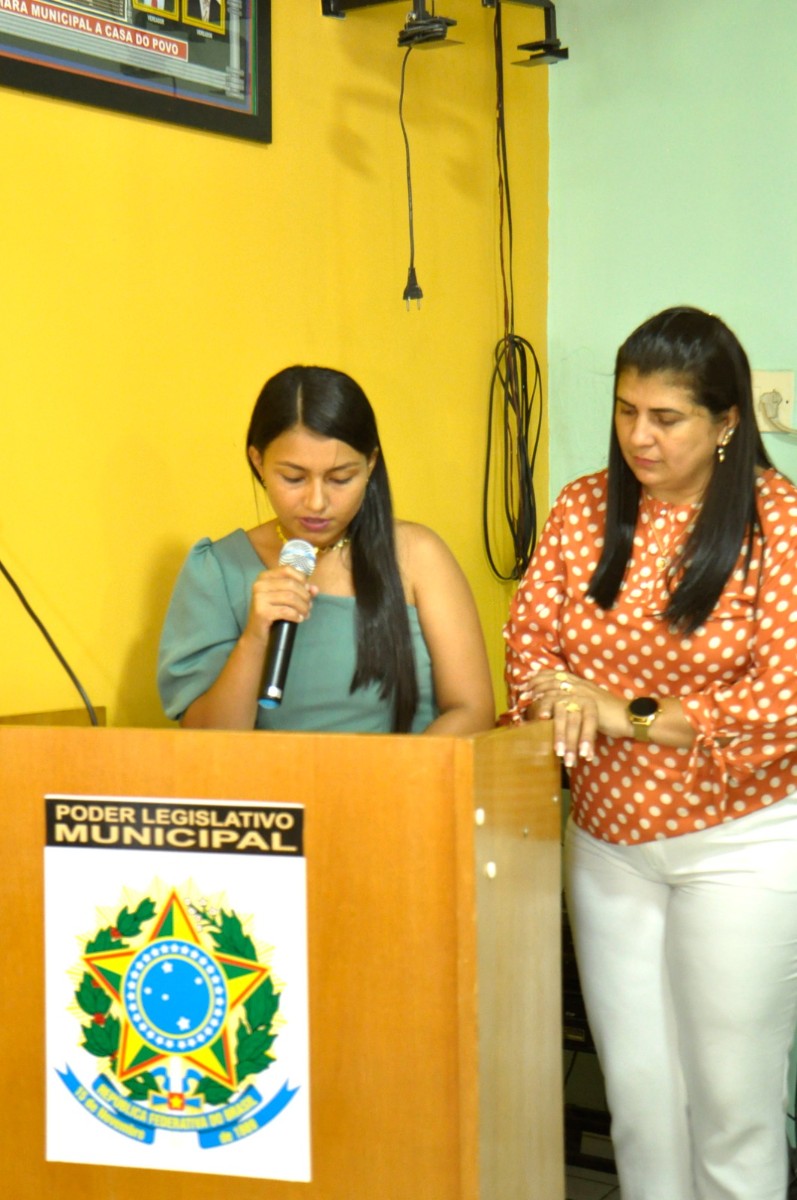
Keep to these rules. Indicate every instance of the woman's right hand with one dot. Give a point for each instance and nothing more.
(283, 594)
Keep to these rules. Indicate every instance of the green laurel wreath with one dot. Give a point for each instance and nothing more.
(101, 1033)
(254, 1036)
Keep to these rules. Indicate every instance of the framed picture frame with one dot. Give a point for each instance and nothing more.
(205, 64)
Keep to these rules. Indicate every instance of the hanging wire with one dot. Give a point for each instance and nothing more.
(518, 452)
(20, 595)
(412, 291)
(573, 1060)
(793, 1150)
(516, 398)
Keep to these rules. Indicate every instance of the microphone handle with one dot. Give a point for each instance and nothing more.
(278, 657)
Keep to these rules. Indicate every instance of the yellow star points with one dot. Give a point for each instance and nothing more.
(175, 952)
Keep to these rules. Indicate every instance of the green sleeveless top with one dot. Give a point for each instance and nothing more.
(207, 614)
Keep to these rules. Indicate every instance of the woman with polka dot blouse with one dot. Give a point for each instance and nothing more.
(656, 628)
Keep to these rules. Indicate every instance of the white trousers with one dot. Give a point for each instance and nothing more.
(687, 955)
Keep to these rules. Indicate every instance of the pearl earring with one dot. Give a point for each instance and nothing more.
(726, 437)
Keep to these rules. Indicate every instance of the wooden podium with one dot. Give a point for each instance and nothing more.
(433, 943)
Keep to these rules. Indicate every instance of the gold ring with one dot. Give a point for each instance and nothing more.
(572, 707)
(561, 676)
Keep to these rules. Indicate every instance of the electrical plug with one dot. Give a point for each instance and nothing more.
(413, 291)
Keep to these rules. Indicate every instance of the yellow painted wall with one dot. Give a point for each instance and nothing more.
(154, 276)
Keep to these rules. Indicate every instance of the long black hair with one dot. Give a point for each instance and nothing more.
(332, 404)
(698, 351)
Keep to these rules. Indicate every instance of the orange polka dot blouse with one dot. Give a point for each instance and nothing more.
(736, 675)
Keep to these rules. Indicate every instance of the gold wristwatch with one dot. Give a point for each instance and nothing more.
(642, 712)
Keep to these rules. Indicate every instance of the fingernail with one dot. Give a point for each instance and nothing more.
(585, 750)
(559, 749)
(570, 758)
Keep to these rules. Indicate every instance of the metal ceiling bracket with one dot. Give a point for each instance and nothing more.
(549, 50)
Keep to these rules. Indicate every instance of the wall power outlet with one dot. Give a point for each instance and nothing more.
(773, 400)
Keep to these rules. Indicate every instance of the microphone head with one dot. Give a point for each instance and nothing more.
(298, 554)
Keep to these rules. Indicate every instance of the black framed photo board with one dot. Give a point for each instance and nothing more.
(201, 63)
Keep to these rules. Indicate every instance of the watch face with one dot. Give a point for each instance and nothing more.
(643, 706)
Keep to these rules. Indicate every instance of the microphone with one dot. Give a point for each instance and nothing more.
(301, 556)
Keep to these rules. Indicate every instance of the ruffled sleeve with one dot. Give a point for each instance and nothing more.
(203, 623)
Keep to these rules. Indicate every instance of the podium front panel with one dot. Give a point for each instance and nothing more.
(403, 1086)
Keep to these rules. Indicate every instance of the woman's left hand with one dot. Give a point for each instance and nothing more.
(580, 710)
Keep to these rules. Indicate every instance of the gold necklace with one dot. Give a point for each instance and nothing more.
(319, 550)
(663, 562)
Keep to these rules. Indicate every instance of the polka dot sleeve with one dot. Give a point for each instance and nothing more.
(750, 724)
(562, 560)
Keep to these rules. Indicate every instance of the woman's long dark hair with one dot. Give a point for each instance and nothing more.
(698, 351)
(333, 405)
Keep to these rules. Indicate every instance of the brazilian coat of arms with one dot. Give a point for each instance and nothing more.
(181, 1011)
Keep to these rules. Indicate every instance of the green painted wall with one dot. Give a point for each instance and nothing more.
(673, 179)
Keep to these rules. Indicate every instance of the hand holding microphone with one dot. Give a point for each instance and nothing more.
(299, 555)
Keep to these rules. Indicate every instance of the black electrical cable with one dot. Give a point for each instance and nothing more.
(793, 1150)
(519, 450)
(512, 375)
(504, 195)
(412, 291)
(20, 595)
(570, 1065)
